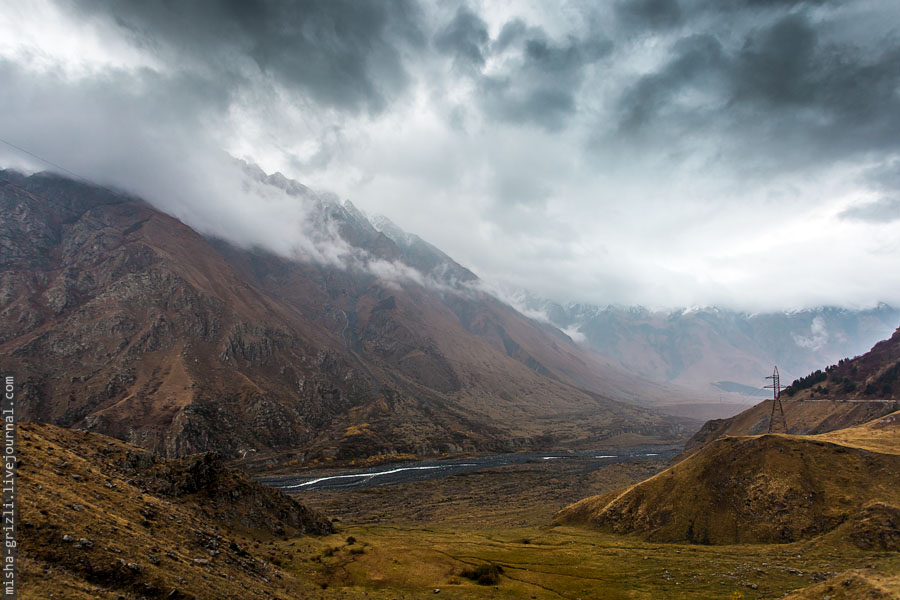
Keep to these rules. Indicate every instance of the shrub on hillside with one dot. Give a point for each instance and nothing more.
(486, 574)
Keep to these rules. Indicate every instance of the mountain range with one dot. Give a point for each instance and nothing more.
(359, 339)
(369, 342)
(715, 350)
(759, 516)
(120, 319)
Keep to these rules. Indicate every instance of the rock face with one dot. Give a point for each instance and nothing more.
(203, 479)
(120, 319)
(765, 489)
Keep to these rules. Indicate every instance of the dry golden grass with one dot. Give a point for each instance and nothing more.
(562, 562)
(86, 532)
(403, 542)
(771, 488)
(880, 435)
(858, 584)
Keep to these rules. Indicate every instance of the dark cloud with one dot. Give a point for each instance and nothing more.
(789, 94)
(654, 16)
(596, 148)
(648, 14)
(465, 38)
(731, 6)
(512, 32)
(779, 66)
(825, 99)
(697, 61)
(540, 85)
(536, 79)
(341, 53)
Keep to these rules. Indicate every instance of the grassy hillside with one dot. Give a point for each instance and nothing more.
(803, 418)
(102, 519)
(772, 488)
(857, 584)
(879, 435)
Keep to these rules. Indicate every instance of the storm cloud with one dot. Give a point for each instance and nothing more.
(344, 54)
(661, 153)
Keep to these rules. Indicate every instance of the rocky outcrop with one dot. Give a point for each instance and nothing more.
(203, 478)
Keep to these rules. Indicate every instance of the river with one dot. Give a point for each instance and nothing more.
(392, 474)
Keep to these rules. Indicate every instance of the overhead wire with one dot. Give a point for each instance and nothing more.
(44, 160)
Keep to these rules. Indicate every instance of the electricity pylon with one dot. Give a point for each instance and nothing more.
(776, 399)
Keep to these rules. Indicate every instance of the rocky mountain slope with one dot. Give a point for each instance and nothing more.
(120, 319)
(100, 518)
(719, 351)
(875, 374)
(773, 488)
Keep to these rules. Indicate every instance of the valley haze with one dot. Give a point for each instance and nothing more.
(473, 298)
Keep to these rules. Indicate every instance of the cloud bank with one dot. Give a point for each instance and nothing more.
(689, 152)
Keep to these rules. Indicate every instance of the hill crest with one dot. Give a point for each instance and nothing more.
(761, 489)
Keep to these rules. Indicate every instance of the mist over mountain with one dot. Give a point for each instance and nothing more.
(713, 349)
(123, 320)
(742, 155)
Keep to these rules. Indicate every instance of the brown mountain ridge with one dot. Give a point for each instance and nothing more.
(120, 319)
(875, 374)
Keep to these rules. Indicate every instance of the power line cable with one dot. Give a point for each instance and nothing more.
(44, 160)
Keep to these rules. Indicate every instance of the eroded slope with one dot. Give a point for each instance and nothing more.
(100, 518)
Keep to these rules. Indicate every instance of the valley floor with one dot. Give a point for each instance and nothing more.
(102, 519)
(407, 541)
(386, 561)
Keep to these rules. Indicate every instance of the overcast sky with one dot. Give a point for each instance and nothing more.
(740, 153)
